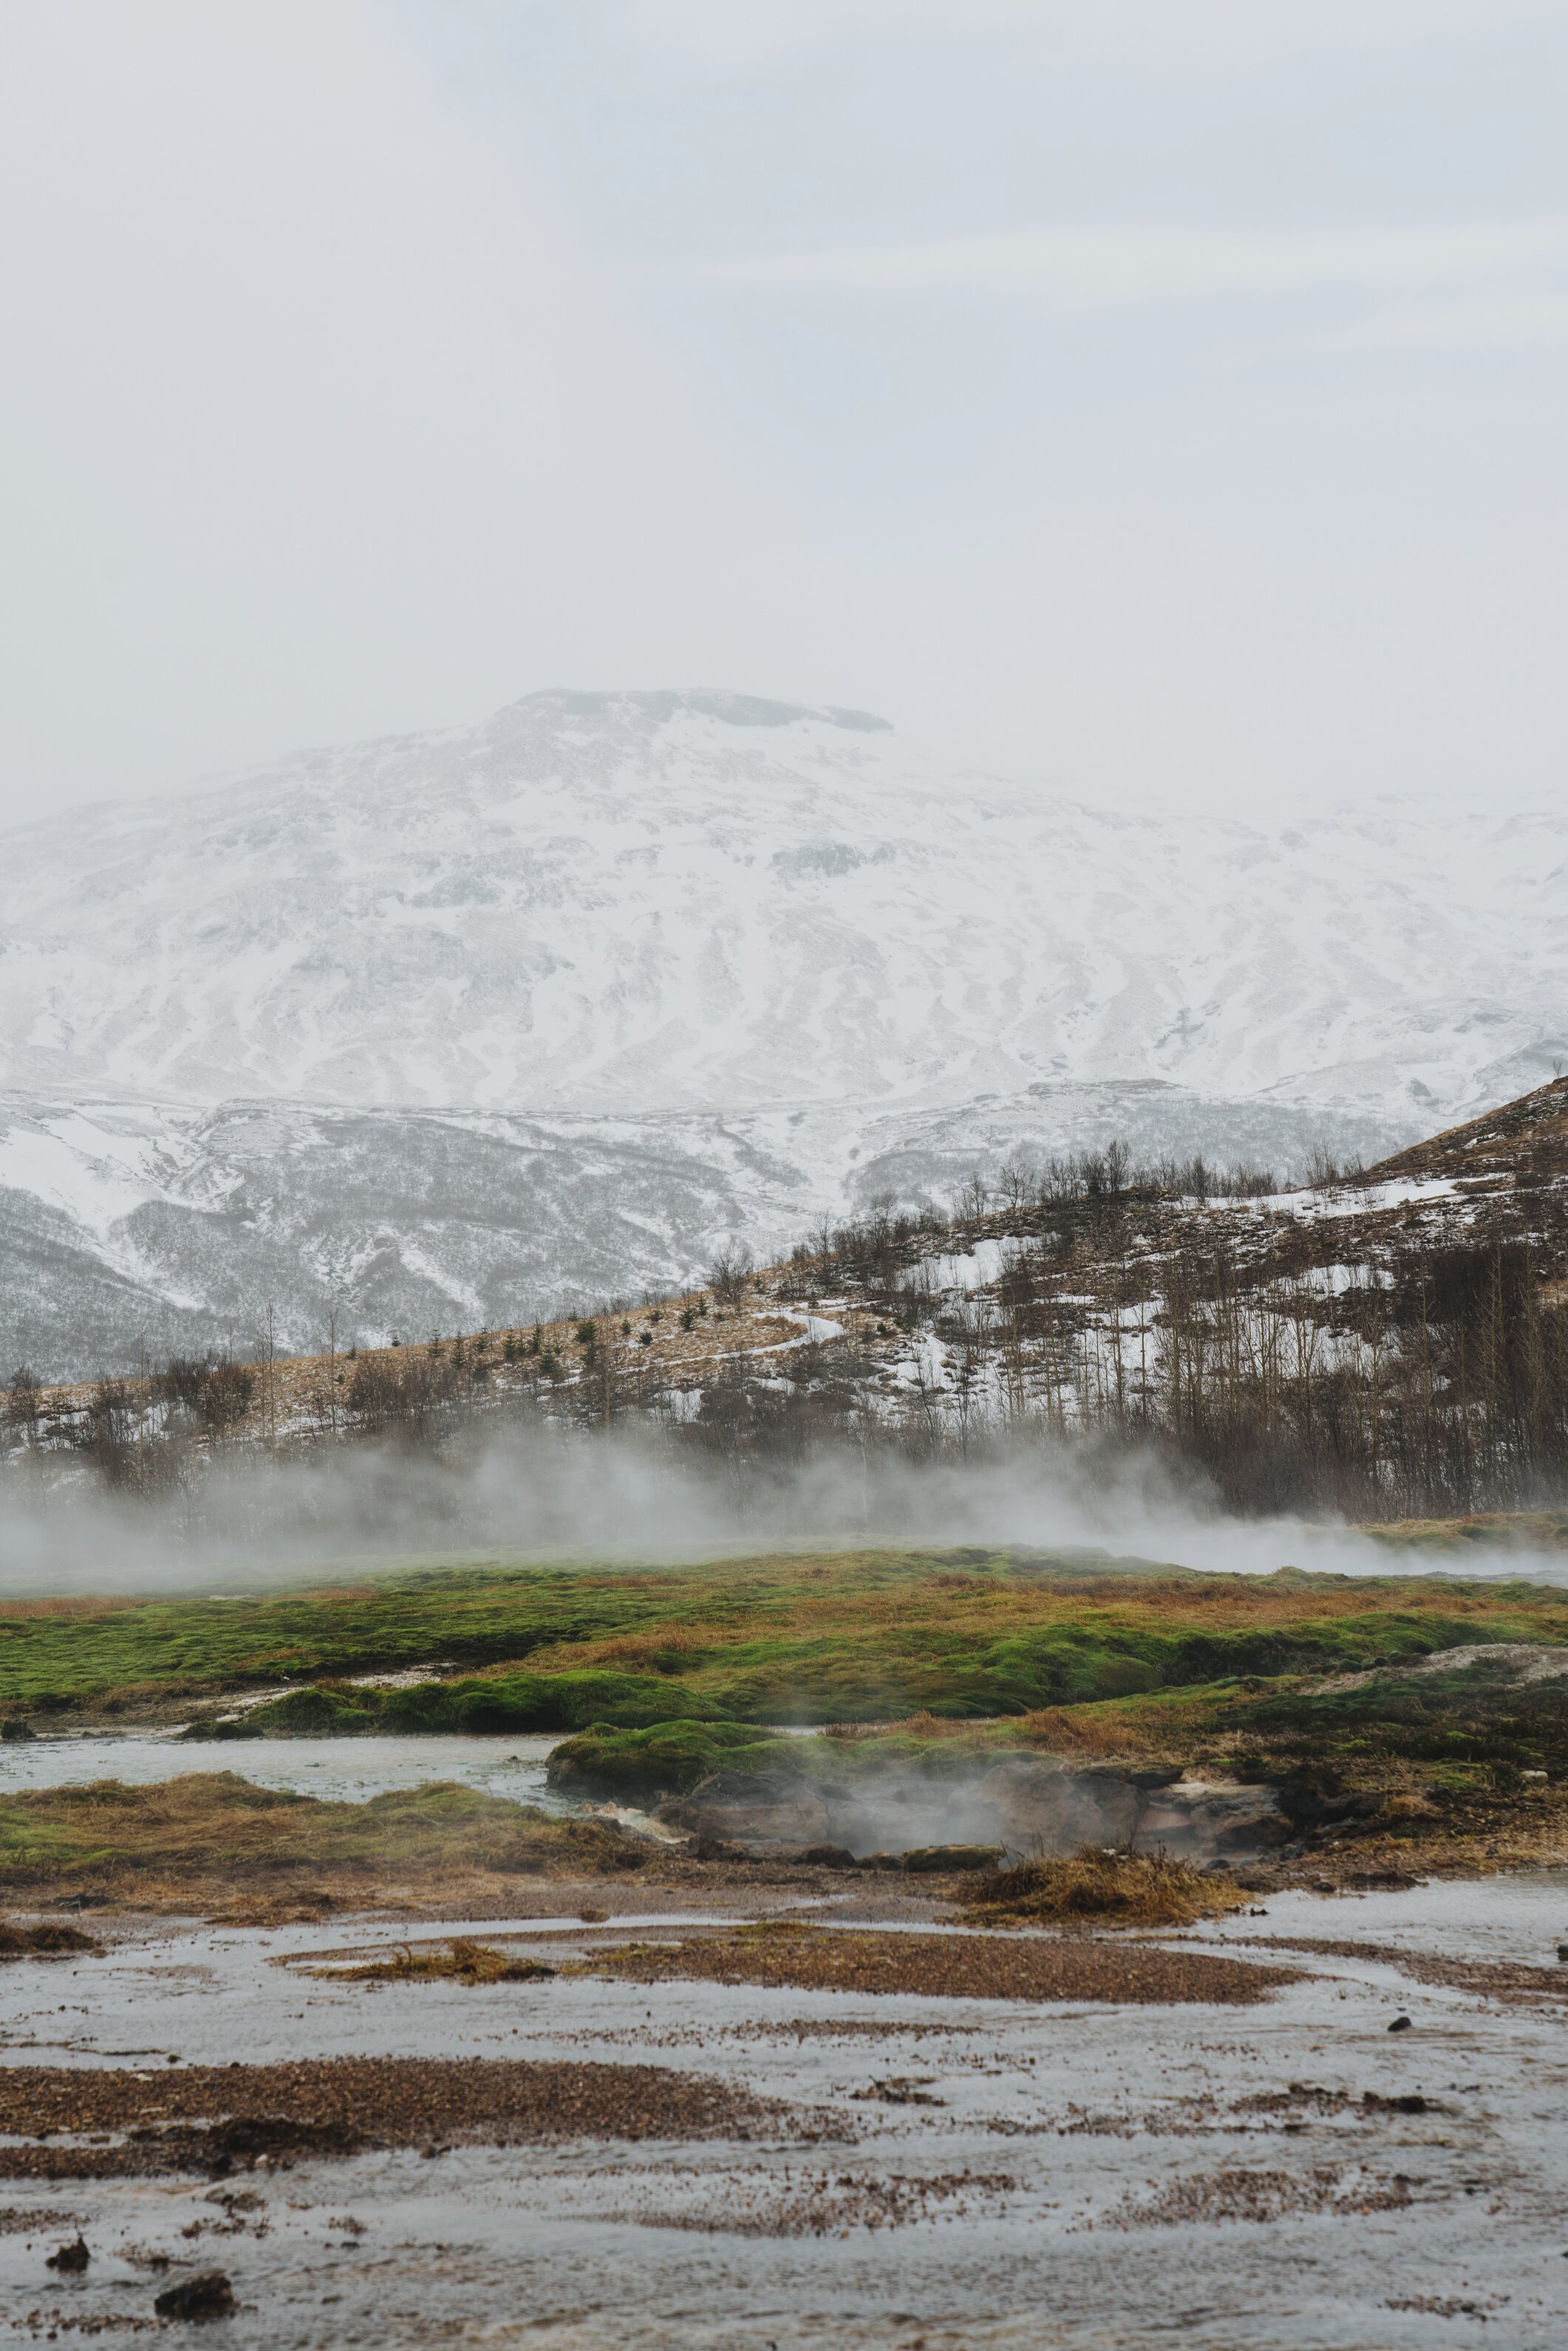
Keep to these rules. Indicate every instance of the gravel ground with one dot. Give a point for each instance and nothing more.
(211, 2118)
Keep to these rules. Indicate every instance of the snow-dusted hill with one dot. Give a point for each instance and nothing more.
(459, 1022)
(649, 903)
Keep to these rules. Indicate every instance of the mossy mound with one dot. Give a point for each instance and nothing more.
(1498, 1705)
(511, 1704)
(185, 1844)
(638, 1767)
(857, 1636)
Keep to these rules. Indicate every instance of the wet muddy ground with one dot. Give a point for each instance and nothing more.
(632, 2155)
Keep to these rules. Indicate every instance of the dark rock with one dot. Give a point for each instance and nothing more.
(15, 1731)
(712, 1848)
(1316, 1800)
(246, 2140)
(827, 1856)
(71, 2259)
(1400, 2025)
(210, 2295)
(1041, 1807)
(928, 1859)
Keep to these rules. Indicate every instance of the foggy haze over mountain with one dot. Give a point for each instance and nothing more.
(1161, 402)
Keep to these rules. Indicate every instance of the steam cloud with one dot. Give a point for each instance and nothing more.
(620, 1496)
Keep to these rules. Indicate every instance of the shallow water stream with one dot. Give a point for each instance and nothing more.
(351, 1769)
(946, 2173)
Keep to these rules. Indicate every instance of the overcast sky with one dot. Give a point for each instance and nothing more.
(1165, 398)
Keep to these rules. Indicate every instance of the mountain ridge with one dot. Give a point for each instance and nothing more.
(712, 965)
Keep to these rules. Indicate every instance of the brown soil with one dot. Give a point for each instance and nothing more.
(950, 1967)
(213, 2118)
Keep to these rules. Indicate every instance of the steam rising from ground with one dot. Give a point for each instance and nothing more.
(624, 1496)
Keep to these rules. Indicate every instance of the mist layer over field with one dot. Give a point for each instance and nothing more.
(622, 1495)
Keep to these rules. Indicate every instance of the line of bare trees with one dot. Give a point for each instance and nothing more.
(1348, 1364)
(134, 1435)
(1351, 1363)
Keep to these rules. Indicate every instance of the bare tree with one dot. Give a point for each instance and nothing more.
(730, 1273)
(24, 1413)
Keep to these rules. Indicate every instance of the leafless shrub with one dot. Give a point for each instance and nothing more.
(729, 1275)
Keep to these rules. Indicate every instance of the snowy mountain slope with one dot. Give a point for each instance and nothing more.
(126, 1226)
(129, 1225)
(650, 902)
(463, 1027)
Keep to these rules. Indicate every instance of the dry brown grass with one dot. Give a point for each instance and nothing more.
(71, 1605)
(1103, 1889)
(211, 1842)
(47, 1941)
(1073, 1731)
(463, 1961)
(630, 1649)
(300, 1393)
(947, 1731)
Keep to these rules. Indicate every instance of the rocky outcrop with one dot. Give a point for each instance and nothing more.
(1025, 1805)
(1211, 1819)
(759, 1810)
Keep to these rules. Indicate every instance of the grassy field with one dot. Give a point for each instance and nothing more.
(923, 1663)
(850, 1636)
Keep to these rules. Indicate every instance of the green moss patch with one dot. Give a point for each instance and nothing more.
(512, 1704)
(638, 1767)
(864, 1636)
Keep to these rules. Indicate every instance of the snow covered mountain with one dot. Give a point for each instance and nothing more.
(455, 1024)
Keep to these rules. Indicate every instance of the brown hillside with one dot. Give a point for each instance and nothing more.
(1525, 1140)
